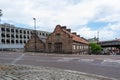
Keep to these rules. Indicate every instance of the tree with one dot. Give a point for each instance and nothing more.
(95, 48)
(118, 47)
(119, 50)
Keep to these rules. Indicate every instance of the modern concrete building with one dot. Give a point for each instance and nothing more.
(12, 37)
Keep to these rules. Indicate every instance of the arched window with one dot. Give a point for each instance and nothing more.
(8, 35)
(12, 30)
(43, 34)
(16, 36)
(7, 29)
(20, 36)
(3, 40)
(3, 35)
(12, 35)
(8, 41)
(17, 41)
(24, 32)
(27, 32)
(2, 29)
(16, 31)
(12, 41)
(20, 31)
(21, 41)
(24, 37)
(24, 41)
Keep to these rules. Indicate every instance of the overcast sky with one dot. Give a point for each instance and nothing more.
(86, 17)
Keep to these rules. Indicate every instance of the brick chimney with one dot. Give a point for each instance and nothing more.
(84, 38)
(74, 33)
(78, 35)
(63, 27)
(69, 30)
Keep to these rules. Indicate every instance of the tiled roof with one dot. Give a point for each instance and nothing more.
(75, 37)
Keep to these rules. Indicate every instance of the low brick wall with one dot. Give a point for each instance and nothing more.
(23, 72)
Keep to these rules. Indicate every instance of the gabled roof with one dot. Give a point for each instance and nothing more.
(34, 34)
(75, 37)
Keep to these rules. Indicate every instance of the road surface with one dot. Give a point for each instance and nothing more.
(105, 65)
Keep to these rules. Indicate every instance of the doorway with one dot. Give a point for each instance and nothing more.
(58, 47)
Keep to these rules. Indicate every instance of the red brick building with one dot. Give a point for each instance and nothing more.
(35, 44)
(63, 41)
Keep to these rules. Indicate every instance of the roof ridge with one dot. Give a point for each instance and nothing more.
(75, 37)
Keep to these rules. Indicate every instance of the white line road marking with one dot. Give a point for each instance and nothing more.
(46, 60)
(17, 59)
(86, 60)
(65, 59)
(111, 61)
(58, 60)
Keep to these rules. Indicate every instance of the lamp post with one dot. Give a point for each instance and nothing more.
(35, 31)
(0, 24)
(97, 36)
(0, 15)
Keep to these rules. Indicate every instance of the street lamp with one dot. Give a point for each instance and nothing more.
(97, 36)
(0, 23)
(34, 23)
(35, 31)
(0, 15)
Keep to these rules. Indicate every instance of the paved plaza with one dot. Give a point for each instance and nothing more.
(18, 72)
(104, 65)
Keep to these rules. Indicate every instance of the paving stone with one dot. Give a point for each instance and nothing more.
(23, 72)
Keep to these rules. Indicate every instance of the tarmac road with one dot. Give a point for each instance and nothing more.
(105, 65)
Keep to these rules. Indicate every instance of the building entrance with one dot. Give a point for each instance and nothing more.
(58, 47)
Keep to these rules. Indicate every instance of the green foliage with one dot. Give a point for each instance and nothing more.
(95, 48)
(118, 47)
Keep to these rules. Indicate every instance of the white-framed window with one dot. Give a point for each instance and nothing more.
(74, 47)
(77, 47)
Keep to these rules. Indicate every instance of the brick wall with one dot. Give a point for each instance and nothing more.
(60, 41)
(32, 45)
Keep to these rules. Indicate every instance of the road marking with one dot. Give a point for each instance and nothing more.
(58, 60)
(17, 59)
(86, 60)
(111, 61)
(65, 59)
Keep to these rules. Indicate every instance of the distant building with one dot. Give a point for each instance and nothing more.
(93, 40)
(117, 39)
(62, 40)
(12, 38)
(111, 46)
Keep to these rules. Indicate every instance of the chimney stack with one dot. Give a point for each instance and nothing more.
(63, 27)
(69, 30)
(78, 35)
(74, 33)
